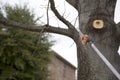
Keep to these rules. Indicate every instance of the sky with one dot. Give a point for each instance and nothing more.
(63, 45)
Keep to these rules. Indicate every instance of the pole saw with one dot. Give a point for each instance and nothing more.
(85, 40)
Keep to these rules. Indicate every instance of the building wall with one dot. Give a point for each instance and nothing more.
(60, 69)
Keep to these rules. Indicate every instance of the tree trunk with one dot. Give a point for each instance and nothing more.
(90, 66)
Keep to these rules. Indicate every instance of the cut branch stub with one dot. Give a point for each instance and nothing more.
(98, 24)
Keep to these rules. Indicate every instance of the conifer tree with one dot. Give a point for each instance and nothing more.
(24, 55)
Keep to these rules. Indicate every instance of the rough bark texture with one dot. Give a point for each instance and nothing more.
(91, 67)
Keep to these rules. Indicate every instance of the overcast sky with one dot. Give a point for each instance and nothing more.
(64, 45)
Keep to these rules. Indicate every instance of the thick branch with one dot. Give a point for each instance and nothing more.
(34, 28)
(70, 26)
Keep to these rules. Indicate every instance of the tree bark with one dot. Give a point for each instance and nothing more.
(90, 66)
(118, 30)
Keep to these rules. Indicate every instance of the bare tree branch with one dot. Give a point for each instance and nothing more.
(47, 28)
(70, 26)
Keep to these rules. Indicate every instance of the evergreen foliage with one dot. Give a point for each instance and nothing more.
(24, 55)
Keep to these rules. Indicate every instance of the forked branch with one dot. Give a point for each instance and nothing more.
(69, 25)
